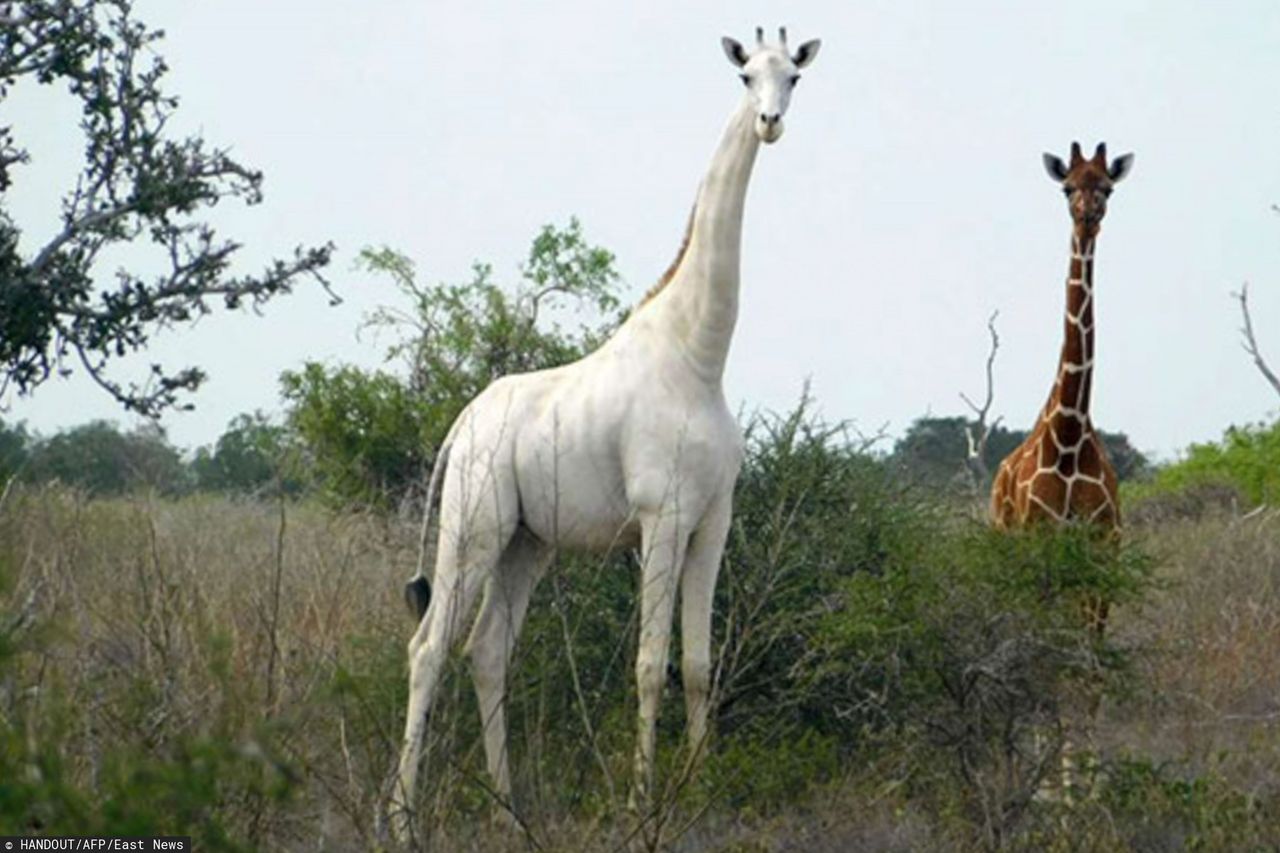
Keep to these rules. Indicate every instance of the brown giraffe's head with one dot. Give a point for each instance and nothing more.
(1087, 183)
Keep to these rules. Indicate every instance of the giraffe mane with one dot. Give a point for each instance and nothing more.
(675, 263)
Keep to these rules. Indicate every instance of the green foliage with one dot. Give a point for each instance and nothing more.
(933, 450)
(370, 435)
(1247, 459)
(100, 459)
(1165, 806)
(251, 456)
(360, 432)
(456, 339)
(14, 449)
(137, 792)
(138, 185)
(920, 623)
(964, 653)
(812, 508)
(768, 774)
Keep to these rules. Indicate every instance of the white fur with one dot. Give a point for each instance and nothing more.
(770, 74)
(632, 445)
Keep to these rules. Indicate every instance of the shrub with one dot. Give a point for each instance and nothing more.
(1246, 459)
(962, 654)
(100, 459)
(369, 435)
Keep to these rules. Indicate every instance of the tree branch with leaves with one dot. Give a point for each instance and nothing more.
(137, 185)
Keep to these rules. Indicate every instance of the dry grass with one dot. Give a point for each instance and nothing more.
(168, 622)
(1211, 666)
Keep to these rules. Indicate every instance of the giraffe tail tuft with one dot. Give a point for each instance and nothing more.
(417, 594)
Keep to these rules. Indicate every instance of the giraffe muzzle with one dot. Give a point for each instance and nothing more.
(769, 127)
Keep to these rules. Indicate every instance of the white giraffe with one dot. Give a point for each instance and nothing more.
(631, 445)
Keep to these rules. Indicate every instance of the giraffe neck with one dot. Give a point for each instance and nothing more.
(1074, 384)
(700, 304)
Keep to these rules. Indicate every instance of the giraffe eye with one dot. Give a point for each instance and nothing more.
(795, 78)
(1066, 191)
(745, 78)
(1106, 192)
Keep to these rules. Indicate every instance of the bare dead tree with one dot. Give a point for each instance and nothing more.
(979, 430)
(1250, 343)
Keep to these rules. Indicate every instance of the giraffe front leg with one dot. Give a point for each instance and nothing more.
(697, 591)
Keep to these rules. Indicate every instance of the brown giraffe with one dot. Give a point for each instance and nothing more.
(1061, 472)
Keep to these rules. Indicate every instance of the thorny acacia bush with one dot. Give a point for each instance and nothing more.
(969, 659)
(237, 669)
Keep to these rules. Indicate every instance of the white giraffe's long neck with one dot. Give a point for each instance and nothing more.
(701, 302)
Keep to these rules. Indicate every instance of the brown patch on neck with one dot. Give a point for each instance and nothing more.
(675, 264)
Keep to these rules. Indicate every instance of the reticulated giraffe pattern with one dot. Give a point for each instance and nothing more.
(1061, 472)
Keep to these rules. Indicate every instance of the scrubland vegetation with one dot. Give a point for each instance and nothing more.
(214, 643)
(891, 675)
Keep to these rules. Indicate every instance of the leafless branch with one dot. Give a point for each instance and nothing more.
(1250, 343)
(979, 431)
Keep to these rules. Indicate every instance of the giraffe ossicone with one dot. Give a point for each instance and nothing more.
(633, 444)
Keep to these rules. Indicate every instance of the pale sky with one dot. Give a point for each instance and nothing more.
(905, 202)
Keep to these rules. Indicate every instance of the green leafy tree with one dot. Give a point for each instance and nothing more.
(138, 185)
(251, 456)
(370, 435)
(360, 431)
(100, 459)
(1246, 459)
(1130, 462)
(14, 443)
(933, 449)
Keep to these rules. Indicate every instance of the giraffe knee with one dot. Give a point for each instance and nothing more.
(696, 674)
(650, 676)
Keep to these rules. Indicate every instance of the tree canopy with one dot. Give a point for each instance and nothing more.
(138, 184)
(100, 459)
(369, 435)
(933, 450)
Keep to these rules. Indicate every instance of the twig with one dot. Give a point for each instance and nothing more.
(1250, 343)
(579, 697)
(979, 431)
(8, 487)
(275, 612)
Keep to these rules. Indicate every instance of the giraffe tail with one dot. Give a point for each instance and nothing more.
(417, 592)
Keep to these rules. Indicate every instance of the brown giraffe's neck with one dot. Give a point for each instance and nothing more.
(1067, 410)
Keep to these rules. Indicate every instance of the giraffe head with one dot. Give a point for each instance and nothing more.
(770, 73)
(1088, 183)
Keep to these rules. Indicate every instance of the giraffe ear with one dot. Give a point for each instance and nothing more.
(733, 50)
(1055, 167)
(806, 52)
(1120, 167)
